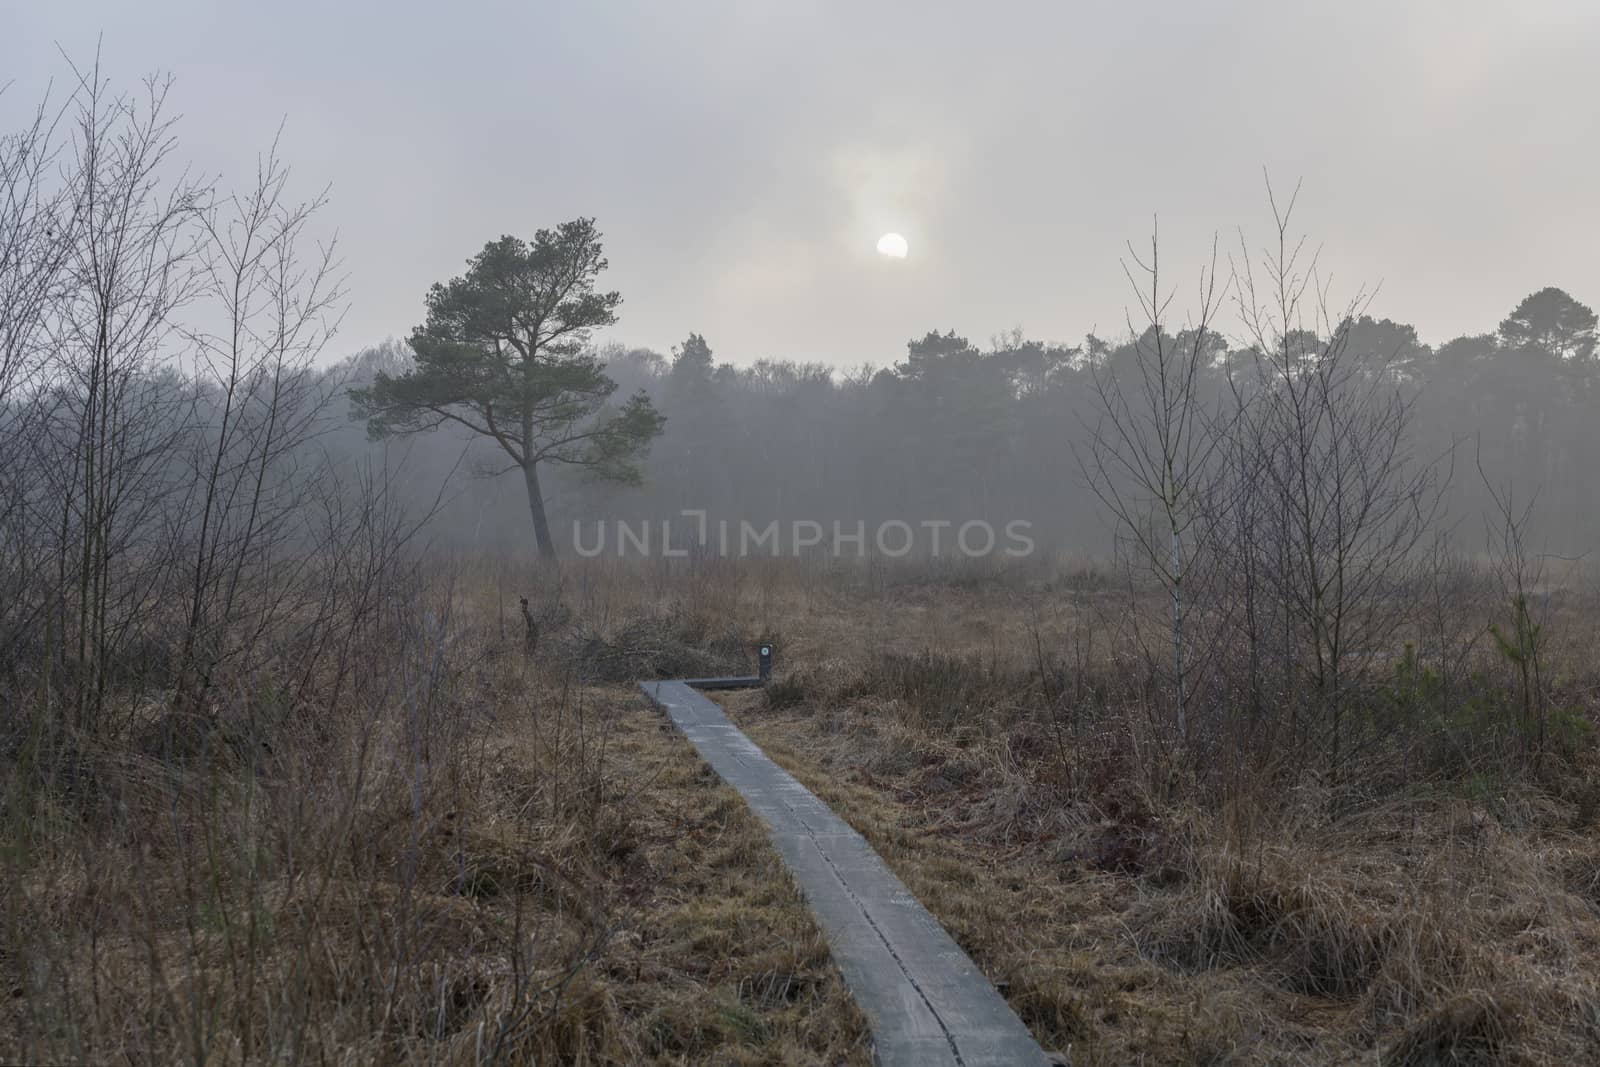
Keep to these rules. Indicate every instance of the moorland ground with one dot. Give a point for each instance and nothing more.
(486, 847)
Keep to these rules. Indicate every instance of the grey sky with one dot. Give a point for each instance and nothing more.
(743, 157)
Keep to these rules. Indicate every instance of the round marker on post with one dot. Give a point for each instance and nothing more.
(764, 655)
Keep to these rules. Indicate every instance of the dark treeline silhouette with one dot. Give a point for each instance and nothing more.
(958, 430)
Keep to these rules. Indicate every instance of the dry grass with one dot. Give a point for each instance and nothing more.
(490, 860)
(1432, 934)
(979, 732)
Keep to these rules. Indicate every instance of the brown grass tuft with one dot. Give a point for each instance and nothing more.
(1470, 1029)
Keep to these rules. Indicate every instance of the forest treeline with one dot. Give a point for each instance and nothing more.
(957, 430)
(173, 415)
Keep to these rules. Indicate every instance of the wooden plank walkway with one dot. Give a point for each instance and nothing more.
(926, 1001)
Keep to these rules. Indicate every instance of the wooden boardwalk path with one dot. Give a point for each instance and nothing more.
(926, 1001)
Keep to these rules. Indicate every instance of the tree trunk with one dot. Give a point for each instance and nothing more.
(541, 525)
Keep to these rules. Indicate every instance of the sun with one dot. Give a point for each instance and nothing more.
(893, 246)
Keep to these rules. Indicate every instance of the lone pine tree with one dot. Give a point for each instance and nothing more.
(504, 353)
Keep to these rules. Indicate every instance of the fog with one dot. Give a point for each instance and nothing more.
(743, 158)
(1120, 440)
(997, 429)
(707, 337)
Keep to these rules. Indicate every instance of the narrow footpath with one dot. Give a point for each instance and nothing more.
(926, 1001)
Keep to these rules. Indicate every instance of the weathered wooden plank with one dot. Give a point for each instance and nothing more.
(925, 999)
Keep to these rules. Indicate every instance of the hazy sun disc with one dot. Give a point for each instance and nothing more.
(893, 245)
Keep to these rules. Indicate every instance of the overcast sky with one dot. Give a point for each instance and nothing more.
(744, 157)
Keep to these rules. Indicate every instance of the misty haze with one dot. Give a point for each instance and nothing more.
(739, 533)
